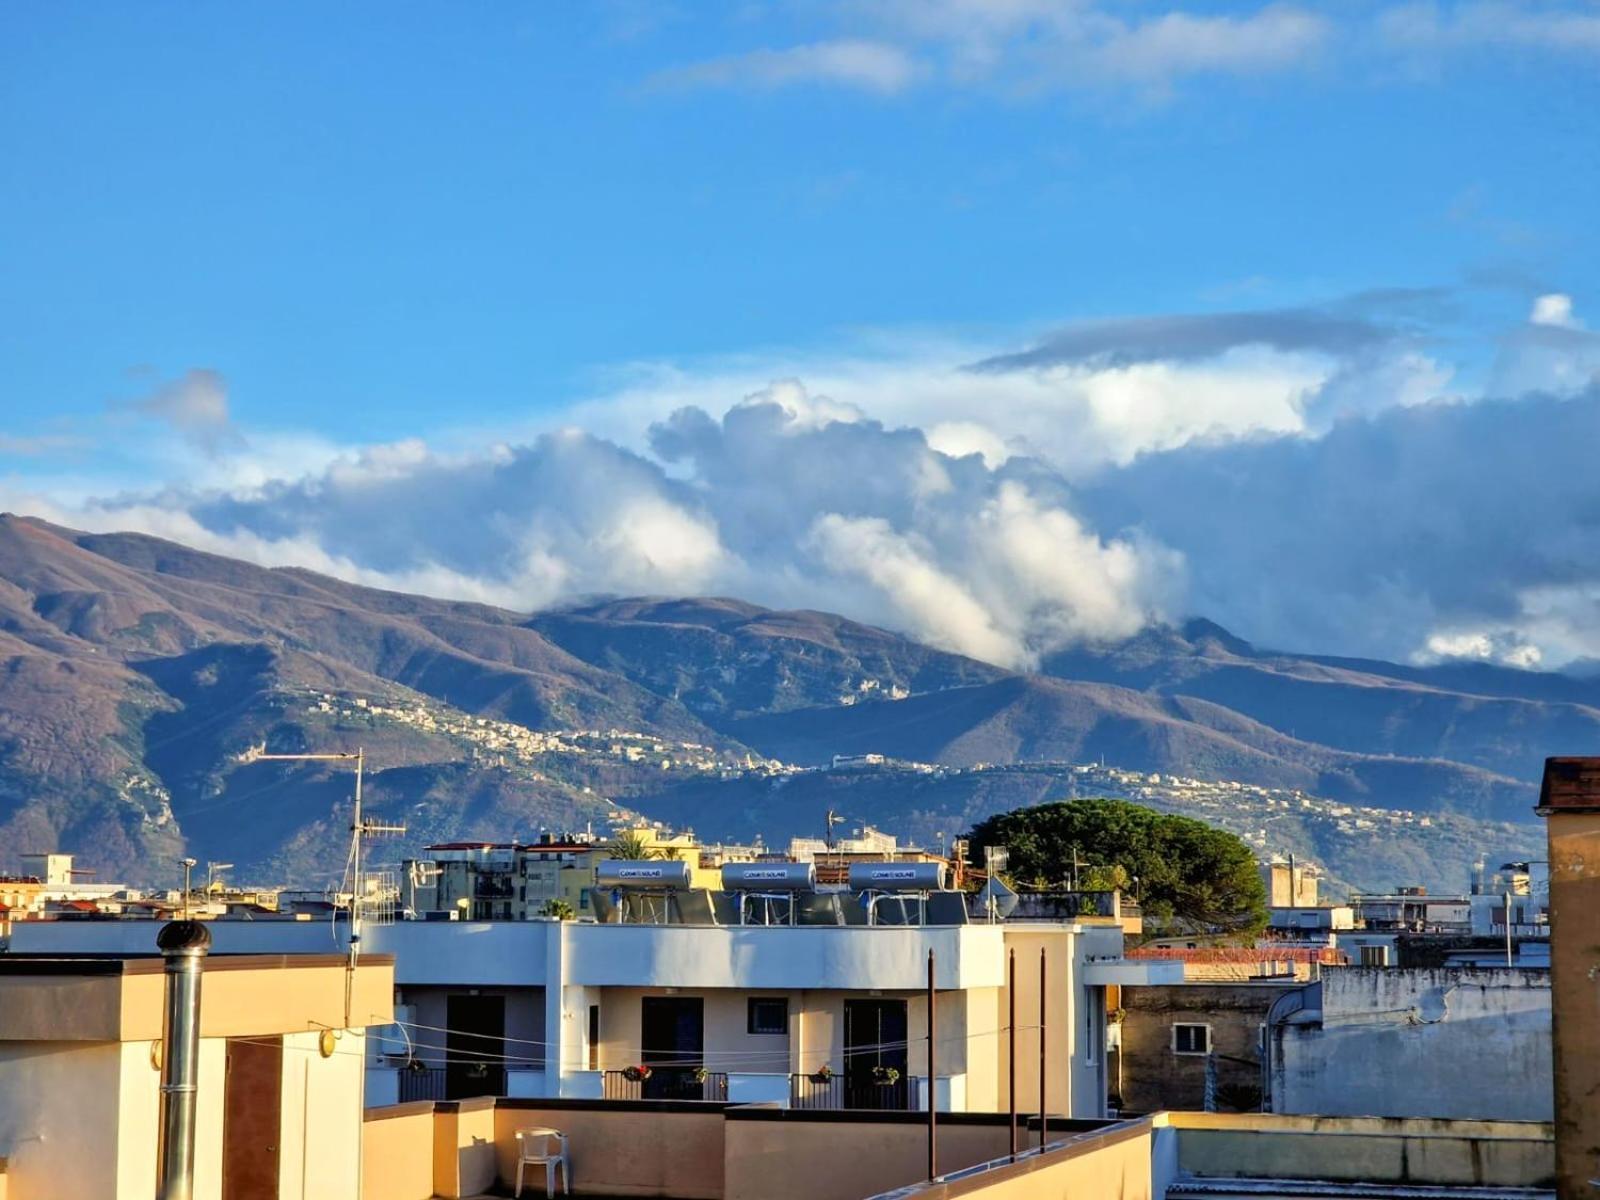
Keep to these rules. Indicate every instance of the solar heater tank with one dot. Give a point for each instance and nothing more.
(769, 877)
(642, 875)
(897, 877)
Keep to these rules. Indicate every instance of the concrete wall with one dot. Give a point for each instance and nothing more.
(397, 1153)
(1463, 1043)
(1364, 1150)
(1152, 1077)
(810, 1156)
(430, 1004)
(622, 1149)
(50, 1095)
(780, 957)
(1575, 964)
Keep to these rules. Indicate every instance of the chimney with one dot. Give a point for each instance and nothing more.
(183, 944)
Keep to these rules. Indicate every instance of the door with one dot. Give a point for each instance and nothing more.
(252, 1118)
(875, 1060)
(475, 1047)
(672, 1030)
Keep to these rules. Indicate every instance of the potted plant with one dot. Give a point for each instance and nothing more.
(885, 1076)
(822, 1074)
(699, 1074)
(637, 1073)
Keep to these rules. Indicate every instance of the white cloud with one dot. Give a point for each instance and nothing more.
(1553, 309)
(1566, 30)
(855, 63)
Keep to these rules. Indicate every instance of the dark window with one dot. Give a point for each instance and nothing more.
(1191, 1039)
(769, 1016)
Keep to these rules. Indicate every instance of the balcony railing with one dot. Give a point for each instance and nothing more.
(841, 1091)
(667, 1083)
(456, 1080)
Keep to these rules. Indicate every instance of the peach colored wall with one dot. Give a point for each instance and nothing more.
(1107, 1168)
(624, 1152)
(397, 1153)
(835, 1160)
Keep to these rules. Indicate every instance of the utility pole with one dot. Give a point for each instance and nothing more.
(933, 1074)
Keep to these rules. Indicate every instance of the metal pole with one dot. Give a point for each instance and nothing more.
(1043, 1119)
(933, 1074)
(1011, 1041)
(183, 944)
(1508, 929)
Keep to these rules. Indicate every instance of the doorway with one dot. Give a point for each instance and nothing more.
(875, 1058)
(672, 1033)
(475, 1047)
(252, 1118)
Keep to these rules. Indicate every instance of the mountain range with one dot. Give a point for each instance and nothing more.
(136, 674)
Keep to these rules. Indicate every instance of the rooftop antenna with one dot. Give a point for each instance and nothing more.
(829, 822)
(361, 828)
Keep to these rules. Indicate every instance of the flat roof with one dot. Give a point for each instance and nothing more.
(154, 964)
(1570, 785)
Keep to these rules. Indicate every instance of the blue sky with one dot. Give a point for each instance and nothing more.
(240, 248)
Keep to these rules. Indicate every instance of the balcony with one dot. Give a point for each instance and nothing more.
(666, 1083)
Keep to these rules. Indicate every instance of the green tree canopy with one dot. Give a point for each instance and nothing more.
(1188, 872)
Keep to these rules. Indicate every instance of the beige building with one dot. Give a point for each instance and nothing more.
(280, 1076)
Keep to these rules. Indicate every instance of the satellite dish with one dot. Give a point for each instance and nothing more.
(997, 897)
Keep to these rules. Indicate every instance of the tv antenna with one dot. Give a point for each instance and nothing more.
(361, 828)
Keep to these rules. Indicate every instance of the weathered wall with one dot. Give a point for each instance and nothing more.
(1462, 1043)
(1575, 963)
(1153, 1077)
(1413, 1153)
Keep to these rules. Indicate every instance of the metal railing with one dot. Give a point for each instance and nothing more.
(665, 1083)
(851, 1092)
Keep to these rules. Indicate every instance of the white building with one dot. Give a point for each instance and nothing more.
(745, 1013)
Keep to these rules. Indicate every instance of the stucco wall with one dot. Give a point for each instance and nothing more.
(50, 1094)
(1458, 1043)
(397, 1153)
(1575, 954)
(623, 1150)
(320, 1152)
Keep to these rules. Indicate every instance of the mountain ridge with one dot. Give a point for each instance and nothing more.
(134, 670)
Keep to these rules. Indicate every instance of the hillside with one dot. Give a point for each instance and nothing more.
(134, 672)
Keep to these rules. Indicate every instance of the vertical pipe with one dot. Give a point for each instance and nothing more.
(933, 1074)
(1508, 930)
(1011, 1041)
(183, 944)
(1043, 1059)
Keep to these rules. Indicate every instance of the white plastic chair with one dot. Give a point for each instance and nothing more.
(533, 1149)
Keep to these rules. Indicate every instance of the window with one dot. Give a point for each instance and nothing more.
(1374, 956)
(768, 1015)
(1191, 1039)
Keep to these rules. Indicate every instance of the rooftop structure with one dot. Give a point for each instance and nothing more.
(280, 1075)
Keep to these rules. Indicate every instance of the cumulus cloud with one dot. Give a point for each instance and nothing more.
(1309, 483)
